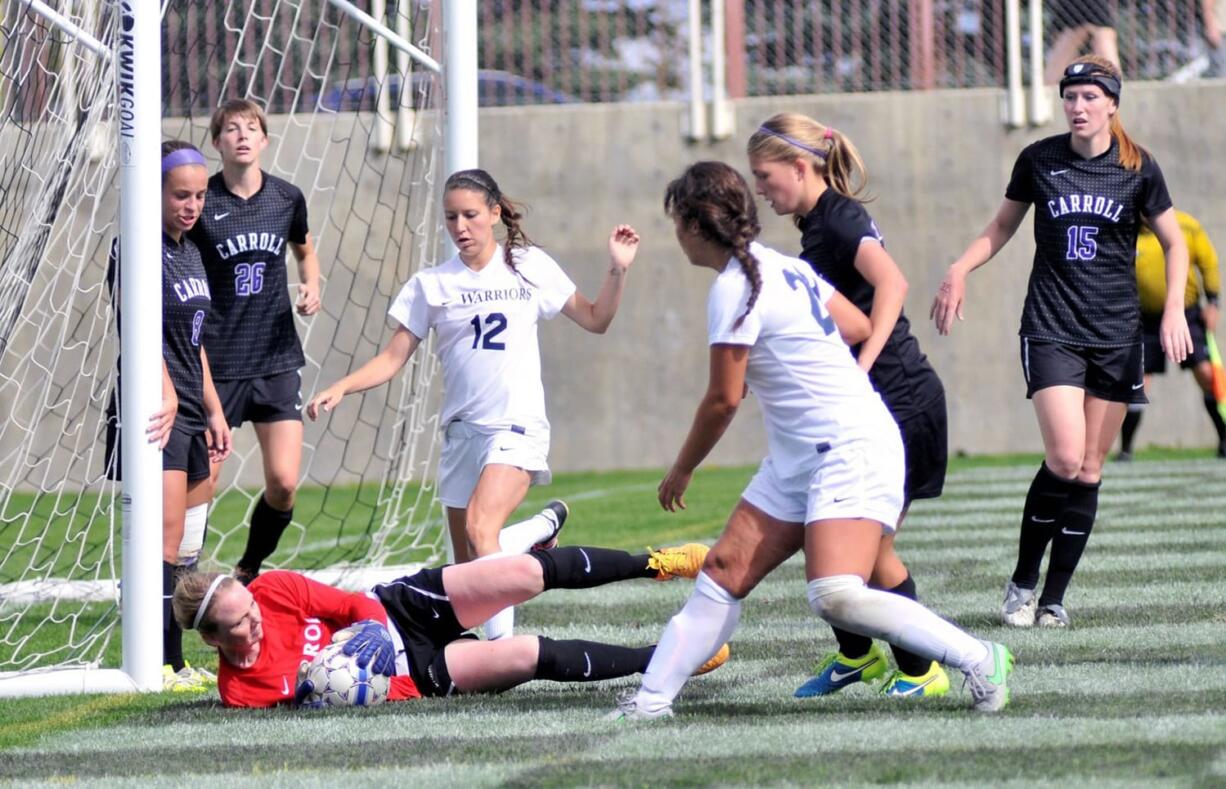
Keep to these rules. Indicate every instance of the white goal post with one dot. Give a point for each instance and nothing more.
(115, 49)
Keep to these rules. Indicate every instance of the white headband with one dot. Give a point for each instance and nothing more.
(205, 602)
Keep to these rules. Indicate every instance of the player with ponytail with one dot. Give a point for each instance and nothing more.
(484, 304)
(832, 483)
(1081, 344)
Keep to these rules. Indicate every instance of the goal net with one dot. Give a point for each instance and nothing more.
(357, 127)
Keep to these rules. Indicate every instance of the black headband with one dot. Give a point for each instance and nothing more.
(1090, 74)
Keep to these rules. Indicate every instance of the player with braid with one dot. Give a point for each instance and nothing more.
(815, 174)
(414, 627)
(252, 219)
(832, 483)
(484, 304)
(191, 427)
(1202, 320)
(1081, 324)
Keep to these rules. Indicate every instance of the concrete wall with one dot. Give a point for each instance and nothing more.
(938, 166)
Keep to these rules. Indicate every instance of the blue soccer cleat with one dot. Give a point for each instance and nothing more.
(836, 672)
(933, 682)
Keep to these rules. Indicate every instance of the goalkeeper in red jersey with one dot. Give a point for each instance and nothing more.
(415, 628)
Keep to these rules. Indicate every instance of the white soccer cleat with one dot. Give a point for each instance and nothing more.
(989, 681)
(629, 710)
(1052, 615)
(1019, 607)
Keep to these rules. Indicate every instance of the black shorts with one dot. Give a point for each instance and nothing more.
(420, 610)
(925, 439)
(1155, 358)
(184, 452)
(1113, 374)
(273, 398)
(1072, 14)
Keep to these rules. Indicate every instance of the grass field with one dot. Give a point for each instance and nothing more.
(1133, 694)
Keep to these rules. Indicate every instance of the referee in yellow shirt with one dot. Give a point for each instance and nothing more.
(1151, 282)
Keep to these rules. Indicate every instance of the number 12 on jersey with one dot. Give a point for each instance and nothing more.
(495, 324)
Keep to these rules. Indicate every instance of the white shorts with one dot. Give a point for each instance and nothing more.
(861, 478)
(467, 450)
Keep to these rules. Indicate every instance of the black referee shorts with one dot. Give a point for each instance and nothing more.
(1155, 358)
(925, 439)
(184, 452)
(1113, 374)
(419, 608)
(271, 398)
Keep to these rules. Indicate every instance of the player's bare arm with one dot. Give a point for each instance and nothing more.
(308, 277)
(378, 370)
(597, 316)
(725, 390)
(854, 326)
(889, 294)
(164, 418)
(1174, 334)
(951, 294)
(217, 431)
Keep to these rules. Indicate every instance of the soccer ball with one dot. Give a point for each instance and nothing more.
(339, 682)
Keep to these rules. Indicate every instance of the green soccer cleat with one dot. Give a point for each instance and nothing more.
(683, 561)
(836, 671)
(932, 683)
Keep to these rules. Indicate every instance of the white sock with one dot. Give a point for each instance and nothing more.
(520, 537)
(692, 637)
(844, 601)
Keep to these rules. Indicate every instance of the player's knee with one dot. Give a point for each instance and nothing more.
(279, 492)
(728, 572)
(1065, 463)
(835, 598)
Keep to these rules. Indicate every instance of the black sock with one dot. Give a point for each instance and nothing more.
(587, 661)
(852, 645)
(1075, 524)
(575, 567)
(1218, 424)
(267, 525)
(1044, 503)
(172, 635)
(908, 662)
(1132, 418)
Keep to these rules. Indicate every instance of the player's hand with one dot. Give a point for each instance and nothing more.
(948, 302)
(672, 489)
(370, 644)
(163, 419)
(217, 436)
(308, 298)
(623, 246)
(1210, 313)
(1174, 334)
(325, 401)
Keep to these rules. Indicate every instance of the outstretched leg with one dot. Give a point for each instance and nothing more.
(482, 666)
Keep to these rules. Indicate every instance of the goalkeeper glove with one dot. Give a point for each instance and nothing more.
(370, 643)
(304, 691)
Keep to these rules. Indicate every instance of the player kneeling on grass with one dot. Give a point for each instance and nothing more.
(264, 632)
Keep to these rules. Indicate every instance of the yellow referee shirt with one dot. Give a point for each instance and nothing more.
(1151, 266)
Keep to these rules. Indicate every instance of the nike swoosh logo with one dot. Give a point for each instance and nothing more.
(219, 217)
(587, 563)
(1074, 533)
(587, 672)
(284, 685)
(835, 676)
(434, 612)
(917, 688)
(1058, 172)
(1042, 520)
(1138, 386)
(840, 501)
(505, 449)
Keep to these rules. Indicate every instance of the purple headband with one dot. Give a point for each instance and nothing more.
(818, 152)
(181, 157)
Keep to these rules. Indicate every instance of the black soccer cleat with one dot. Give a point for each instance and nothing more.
(556, 511)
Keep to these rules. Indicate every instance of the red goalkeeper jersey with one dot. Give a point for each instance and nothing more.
(299, 618)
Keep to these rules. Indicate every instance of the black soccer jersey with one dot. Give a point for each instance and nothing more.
(831, 237)
(1083, 287)
(185, 307)
(243, 243)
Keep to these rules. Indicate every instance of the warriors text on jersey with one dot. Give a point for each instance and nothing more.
(832, 234)
(299, 617)
(487, 343)
(811, 391)
(243, 243)
(1083, 287)
(1151, 266)
(185, 315)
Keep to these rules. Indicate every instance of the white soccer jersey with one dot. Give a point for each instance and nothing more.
(811, 392)
(487, 343)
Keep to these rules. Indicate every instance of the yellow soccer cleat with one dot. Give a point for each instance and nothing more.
(933, 682)
(185, 680)
(719, 659)
(683, 561)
